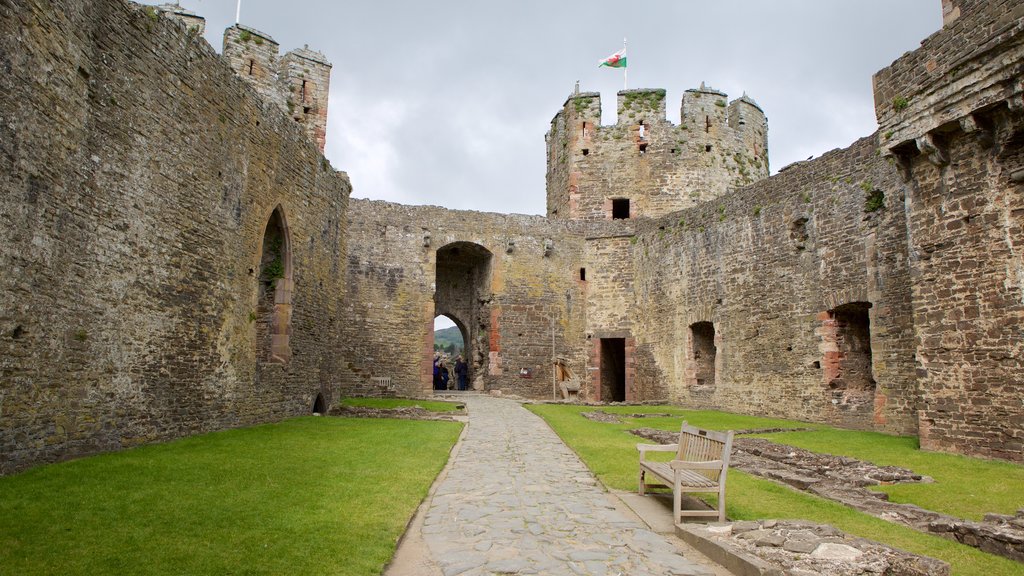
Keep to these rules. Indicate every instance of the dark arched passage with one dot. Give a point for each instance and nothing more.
(463, 294)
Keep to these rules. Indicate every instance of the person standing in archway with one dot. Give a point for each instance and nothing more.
(437, 372)
(444, 375)
(461, 371)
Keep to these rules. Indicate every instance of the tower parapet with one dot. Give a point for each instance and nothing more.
(253, 56)
(645, 165)
(192, 21)
(307, 75)
(297, 82)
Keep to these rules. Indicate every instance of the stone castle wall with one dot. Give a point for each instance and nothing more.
(656, 166)
(511, 275)
(181, 258)
(137, 177)
(762, 267)
(952, 114)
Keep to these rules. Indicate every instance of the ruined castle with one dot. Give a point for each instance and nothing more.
(180, 257)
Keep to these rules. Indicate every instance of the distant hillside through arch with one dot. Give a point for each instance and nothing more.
(448, 339)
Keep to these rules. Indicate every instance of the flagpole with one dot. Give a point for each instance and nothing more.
(625, 69)
(238, 12)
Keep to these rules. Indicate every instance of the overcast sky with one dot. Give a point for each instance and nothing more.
(447, 102)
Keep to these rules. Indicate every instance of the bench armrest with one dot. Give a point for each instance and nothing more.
(644, 448)
(685, 465)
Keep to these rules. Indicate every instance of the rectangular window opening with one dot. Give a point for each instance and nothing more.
(586, 151)
(643, 147)
(704, 353)
(583, 274)
(707, 148)
(620, 208)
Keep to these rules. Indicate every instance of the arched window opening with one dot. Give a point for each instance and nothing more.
(319, 405)
(273, 301)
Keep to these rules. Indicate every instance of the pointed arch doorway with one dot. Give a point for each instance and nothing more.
(462, 293)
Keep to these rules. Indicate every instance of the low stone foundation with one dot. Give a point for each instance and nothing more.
(798, 548)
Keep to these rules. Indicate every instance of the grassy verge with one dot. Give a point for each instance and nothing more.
(388, 403)
(609, 451)
(304, 496)
(964, 487)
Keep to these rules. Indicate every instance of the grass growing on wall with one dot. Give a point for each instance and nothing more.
(609, 450)
(304, 496)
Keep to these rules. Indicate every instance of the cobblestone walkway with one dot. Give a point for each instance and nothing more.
(516, 500)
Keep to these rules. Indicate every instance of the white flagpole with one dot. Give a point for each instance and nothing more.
(625, 69)
(238, 12)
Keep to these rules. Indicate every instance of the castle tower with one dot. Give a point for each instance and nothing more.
(253, 56)
(298, 82)
(191, 20)
(646, 166)
(307, 75)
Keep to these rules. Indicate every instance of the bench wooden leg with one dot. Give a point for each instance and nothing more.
(721, 503)
(677, 500)
(641, 482)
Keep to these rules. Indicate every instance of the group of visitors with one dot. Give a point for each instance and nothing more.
(442, 375)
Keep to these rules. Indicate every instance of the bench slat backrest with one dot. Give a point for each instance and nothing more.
(699, 445)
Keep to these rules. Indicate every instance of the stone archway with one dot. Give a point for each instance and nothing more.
(463, 294)
(450, 358)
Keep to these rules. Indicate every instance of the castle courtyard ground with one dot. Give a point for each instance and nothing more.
(515, 499)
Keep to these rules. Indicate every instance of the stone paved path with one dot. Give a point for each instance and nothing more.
(516, 500)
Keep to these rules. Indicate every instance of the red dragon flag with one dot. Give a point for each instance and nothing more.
(617, 60)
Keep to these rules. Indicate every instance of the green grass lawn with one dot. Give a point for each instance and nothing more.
(388, 403)
(304, 496)
(609, 450)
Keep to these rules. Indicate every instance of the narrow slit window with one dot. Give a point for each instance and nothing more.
(584, 129)
(583, 274)
(643, 129)
(251, 64)
(303, 91)
(707, 123)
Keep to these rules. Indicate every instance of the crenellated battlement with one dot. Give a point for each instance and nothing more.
(298, 82)
(644, 165)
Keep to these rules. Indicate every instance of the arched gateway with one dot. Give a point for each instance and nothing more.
(463, 294)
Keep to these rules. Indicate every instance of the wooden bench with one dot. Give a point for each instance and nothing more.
(700, 465)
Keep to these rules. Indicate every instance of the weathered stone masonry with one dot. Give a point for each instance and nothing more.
(952, 114)
(138, 176)
(408, 264)
(763, 267)
(180, 257)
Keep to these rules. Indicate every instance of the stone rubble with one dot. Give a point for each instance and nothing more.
(799, 548)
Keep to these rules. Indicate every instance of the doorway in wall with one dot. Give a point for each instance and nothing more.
(462, 297)
(613, 369)
(449, 346)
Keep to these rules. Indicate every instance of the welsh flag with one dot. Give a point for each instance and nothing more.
(617, 60)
